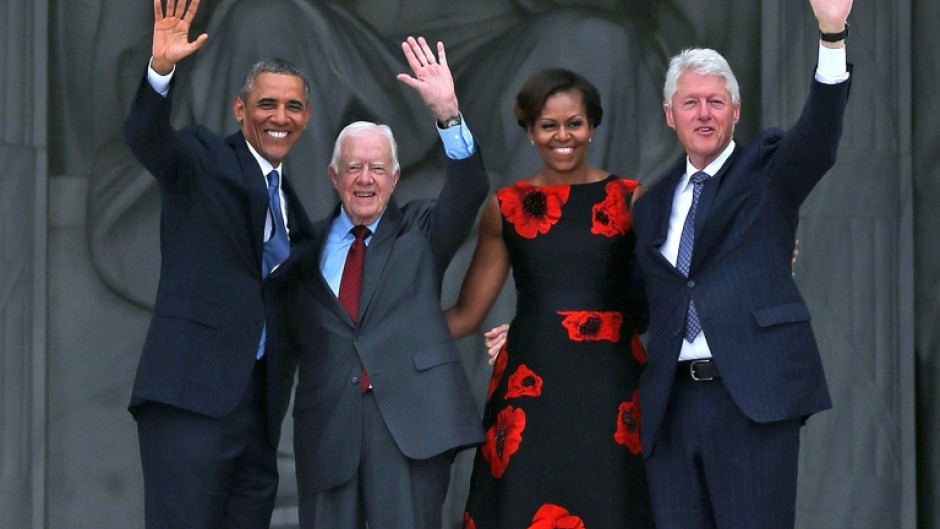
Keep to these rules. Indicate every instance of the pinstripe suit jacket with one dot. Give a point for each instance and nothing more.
(756, 322)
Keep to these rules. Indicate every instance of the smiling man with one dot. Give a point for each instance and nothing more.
(733, 368)
(382, 399)
(210, 396)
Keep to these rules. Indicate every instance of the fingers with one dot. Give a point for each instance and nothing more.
(157, 10)
(441, 56)
(191, 12)
(419, 54)
(426, 54)
(411, 50)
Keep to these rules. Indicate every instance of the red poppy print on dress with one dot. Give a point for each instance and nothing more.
(592, 326)
(532, 210)
(468, 522)
(498, 369)
(554, 517)
(639, 352)
(612, 217)
(503, 439)
(628, 424)
(524, 383)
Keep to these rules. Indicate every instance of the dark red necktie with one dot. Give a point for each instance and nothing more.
(350, 286)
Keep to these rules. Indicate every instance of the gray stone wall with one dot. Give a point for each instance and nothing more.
(79, 272)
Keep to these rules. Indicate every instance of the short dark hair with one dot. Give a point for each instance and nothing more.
(544, 84)
(273, 65)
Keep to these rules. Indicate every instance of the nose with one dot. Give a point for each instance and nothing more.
(280, 115)
(563, 133)
(703, 111)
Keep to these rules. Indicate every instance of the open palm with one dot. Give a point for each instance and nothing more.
(171, 33)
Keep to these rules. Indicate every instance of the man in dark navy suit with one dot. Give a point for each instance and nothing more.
(733, 367)
(209, 397)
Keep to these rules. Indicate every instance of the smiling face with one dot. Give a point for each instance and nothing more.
(365, 175)
(561, 133)
(703, 116)
(273, 115)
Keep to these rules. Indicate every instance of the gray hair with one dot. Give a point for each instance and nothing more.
(359, 129)
(702, 61)
(272, 65)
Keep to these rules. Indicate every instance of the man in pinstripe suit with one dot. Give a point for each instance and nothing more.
(733, 367)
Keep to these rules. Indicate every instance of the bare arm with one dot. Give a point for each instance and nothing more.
(485, 278)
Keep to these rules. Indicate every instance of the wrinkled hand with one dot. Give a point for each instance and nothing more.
(831, 14)
(171, 34)
(432, 77)
(495, 339)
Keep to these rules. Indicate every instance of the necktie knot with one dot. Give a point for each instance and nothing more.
(273, 179)
(360, 232)
(699, 178)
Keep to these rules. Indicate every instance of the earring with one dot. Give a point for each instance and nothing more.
(590, 139)
(532, 142)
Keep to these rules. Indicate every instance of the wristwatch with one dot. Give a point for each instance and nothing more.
(835, 37)
(452, 121)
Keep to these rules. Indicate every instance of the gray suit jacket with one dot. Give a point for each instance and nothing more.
(401, 339)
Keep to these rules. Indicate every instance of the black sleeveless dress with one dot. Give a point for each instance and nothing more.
(562, 414)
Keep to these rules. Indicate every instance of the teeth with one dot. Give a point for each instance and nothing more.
(564, 150)
(277, 133)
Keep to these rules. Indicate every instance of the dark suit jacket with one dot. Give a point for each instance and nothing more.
(209, 311)
(402, 340)
(757, 325)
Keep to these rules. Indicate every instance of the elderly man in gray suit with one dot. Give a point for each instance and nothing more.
(382, 401)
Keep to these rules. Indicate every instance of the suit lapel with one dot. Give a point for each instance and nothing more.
(705, 223)
(257, 193)
(659, 209)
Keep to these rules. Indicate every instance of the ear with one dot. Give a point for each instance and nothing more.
(395, 178)
(334, 177)
(737, 112)
(670, 120)
(308, 111)
(238, 107)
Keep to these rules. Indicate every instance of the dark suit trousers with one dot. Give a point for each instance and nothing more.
(208, 473)
(712, 467)
(390, 491)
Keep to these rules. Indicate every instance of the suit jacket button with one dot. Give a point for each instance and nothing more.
(354, 380)
(676, 332)
(691, 283)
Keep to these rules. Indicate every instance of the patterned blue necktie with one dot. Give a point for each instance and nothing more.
(277, 247)
(684, 260)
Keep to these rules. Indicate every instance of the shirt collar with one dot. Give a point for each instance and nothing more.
(265, 165)
(344, 224)
(711, 169)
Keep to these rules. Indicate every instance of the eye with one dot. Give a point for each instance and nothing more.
(265, 105)
(378, 169)
(295, 107)
(353, 169)
(548, 125)
(717, 104)
(575, 123)
(689, 105)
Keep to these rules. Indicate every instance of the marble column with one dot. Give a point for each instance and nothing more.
(22, 261)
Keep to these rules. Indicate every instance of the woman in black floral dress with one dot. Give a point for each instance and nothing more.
(562, 414)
